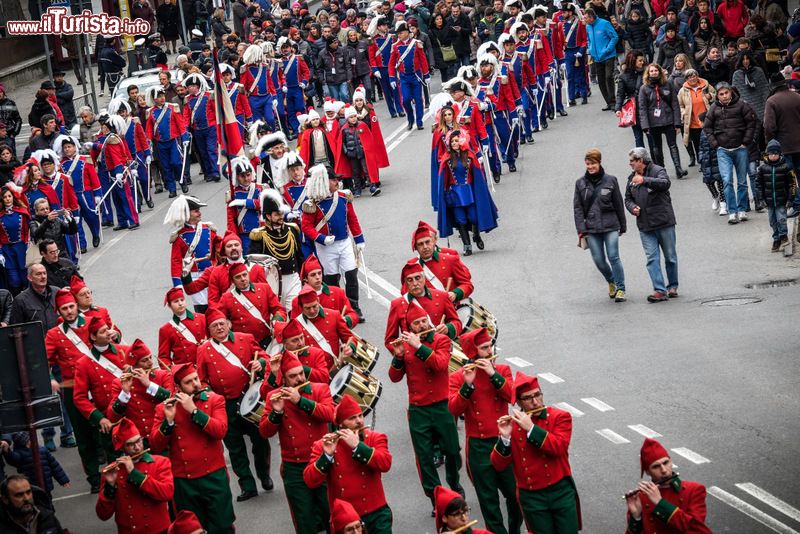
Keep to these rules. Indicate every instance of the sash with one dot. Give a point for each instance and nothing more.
(249, 306)
(198, 232)
(572, 28)
(407, 296)
(411, 46)
(184, 331)
(289, 63)
(230, 357)
(76, 340)
(329, 214)
(386, 42)
(243, 210)
(317, 335)
(159, 119)
(432, 278)
(195, 108)
(300, 199)
(72, 167)
(107, 364)
(56, 183)
(256, 78)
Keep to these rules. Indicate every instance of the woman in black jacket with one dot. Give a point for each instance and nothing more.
(218, 26)
(628, 84)
(660, 114)
(169, 24)
(7, 164)
(638, 34)
(600, 219)
(442, 35)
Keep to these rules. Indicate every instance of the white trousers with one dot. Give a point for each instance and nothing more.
(336, 258)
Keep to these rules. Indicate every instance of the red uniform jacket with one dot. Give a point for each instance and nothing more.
(333, 298)
(194, 441)
(91, 379)
(469, 116)
(436, 303)
(217, 281)
(502, 94)
(222, 377)
(173, 346)
(542, 459)
(191, 119)
(248, 80)
(682, 509)
(544, 54)
(264, 300)
(420, 59)
(101, 312)
(353, 476)
(309, 221)
(141, 407)
(180, 247)
(448, 269)
(315, 366)
(425, 370)
(482, 404)
(139, 500)
(177, 127)
(333, 328)
(301, 424)
(114, 151)
(558, 40)
(68, 200)
(61, 351)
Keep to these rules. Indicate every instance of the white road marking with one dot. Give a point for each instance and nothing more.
(395, 133)
(402, 138)
(750, 510)
(768, 498)
(383, 283)
(569, 408)
(518, 362)
(597, 404)
(71, 496)
(691, 455)
(645, 431)
(377, 297)
(550, 377)
(612, 436)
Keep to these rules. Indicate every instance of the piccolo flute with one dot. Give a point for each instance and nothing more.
(465, 527)
(173, 400)
(115, 465)
(333, 436)
(535, 411)
(661, 484)
(470, 366)
(400, 339)
(279, 355)
(281, 395)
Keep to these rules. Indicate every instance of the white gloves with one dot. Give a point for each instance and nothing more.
(578, 54)
(274, 104)
(88, 145)
(285, 89)
(483, 106)
(377, 74)
(393, 84)
(118, 177)
(97, 200)
(329, 239)
(361, 246)
(521, 112)
(303, 85)
(293, 215)
(148, 160)
(239, 202)
(134, 173)
(547, 80)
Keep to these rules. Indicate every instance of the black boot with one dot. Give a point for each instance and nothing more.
(676, 159)
(351, 290)
(464, 233)
(476, 235)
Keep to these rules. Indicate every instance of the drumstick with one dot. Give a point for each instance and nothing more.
(166, 365)
(449, 283)
(253, 371)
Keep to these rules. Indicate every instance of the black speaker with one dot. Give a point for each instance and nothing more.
(35, 359)
(46, 413)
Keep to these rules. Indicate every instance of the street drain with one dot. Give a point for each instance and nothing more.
(731, 301)
(773, 283)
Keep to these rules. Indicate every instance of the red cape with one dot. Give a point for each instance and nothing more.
(370, 152)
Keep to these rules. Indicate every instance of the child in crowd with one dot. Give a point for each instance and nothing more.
(777, 184)
(21, 457)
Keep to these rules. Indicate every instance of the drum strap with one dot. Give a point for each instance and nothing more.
(76, 340)
(249, 306)
(230, 357)
(432, 278)
(184, 331)
(408, 298)
(317, 335)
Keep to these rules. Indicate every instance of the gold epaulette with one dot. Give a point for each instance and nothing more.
(348, 195)
(211, 226)
(309, 206)
(174, 236)
(256, 234)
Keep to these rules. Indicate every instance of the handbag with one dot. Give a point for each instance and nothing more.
(448, 53)
(627, 116)
(772, 55)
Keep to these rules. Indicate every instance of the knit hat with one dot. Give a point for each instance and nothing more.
(414, 312)
(20, 439)
(64, 296)
(307, 295)
(137, 351)
(423, 230)
(773, 147)
(523, 383)
(185, 523)
(289, 361)
(411, 267)
(342, 514)
(96, 323)
(173, 294)
(470, 341)
(309, 266)
(347, 408)
(76, 284)
(213, 315)
(182, 370)
(349, 111)
(652, 451)
(442, 497)
(287, 330)
(235, 269)
(122, 432)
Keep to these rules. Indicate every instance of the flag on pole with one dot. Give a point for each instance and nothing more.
(229, 137)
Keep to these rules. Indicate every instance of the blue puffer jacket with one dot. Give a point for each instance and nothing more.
(708, 161)
(602, 40)
(22, 459)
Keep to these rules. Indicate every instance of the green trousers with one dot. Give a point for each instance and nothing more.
(87, 438)
(309, 507)
(238, 428)
(551, 510)
(487, 482)
(210, 498)
(426, 425)
(379, 521)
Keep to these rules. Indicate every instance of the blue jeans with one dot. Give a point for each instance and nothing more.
(728, 160)
(337, 91)
(654, 242)
(638, 135)
(610, 241)
(777, 220)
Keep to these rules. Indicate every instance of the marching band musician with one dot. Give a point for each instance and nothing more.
(86, 306)
(436, 304)
(345, 519)
(482, 394)
(452, 513)
(225, 363)
(299, 413)
(138, 391)
(331, 297)
(86, 184)
(193, 434)
(315, 362)
(137, 491)
(244, 206)
(167, 131)
(281, 240)
(665, 503)
(179, 337)
(186, 522)
(422, 358)
(351, 462)
(200, 119)
(191, 244)
(537, 445)
(443, 269)
(326, 328)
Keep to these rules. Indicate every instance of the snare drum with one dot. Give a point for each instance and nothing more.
(365, 389)
(457, 358)
(271, 269)
(364, 357)
(474, 316)
(252, 405)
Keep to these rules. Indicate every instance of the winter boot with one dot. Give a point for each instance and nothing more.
(464, 233)
(676, 159)
(476, 235)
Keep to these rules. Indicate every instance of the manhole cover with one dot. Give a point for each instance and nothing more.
(772, 283)
(731, 301)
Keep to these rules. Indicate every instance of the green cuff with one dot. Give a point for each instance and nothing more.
(119, 407)
(398, 363)
(501, 448)
(95, 417)
(263, 362)
(323, 464)
(466, 390)
(451, 331)
(353, 347)
(363, 452)
(109, 491)
(423, 352)
(634, 526)
(161, 395)
(497, 380)
(136, 477)
(186, 280)
(537, 435)
(278, 318)
(664, 510)
(307, 405)
(200, 418)
(272, 380)
(349, 321)
(459, 293)
(275, 418)
(166, 428)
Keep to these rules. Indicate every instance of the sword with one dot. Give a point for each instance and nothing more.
(565, 86)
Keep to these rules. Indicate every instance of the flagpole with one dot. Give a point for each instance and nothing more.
(219, 91)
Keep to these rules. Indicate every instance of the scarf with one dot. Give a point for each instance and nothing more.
(747, 81)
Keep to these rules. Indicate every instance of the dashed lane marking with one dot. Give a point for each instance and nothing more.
(569, 408)
(612, 436)
(402, 138)
(65, 497)
(383, 283)
(518, 362)
(771, 500)
(645, 431)
(691, 455)
(377, 297)
(550, 377)
(597, 404)
(750, 510)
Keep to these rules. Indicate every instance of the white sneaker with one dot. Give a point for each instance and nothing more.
(733, 219)
(715, 204)
(723, 208)
(742, 216)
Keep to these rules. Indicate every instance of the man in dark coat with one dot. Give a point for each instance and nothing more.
(64, 95)
(22, 503)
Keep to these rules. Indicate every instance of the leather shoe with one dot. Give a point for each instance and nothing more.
(460, 490)
(96, 241)
(563, 113)
(246, 496)
(95, 488)
(512, 167)
(83, 250)
(118, 228)
(267, 484)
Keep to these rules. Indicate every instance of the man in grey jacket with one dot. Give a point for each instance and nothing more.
(647, 198)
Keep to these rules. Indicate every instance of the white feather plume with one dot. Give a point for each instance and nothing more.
(439, 101)
(276, 197)
(58, 143)
(317, 187)
(270, 138)
(117, 104)
(252, 55)
(252, 132)
(178, 212)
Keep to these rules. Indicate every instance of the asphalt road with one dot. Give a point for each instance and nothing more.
(716, 384)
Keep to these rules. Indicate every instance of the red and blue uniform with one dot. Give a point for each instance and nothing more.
(83, 177)
(545, 68)
(181, 244)
(575, 43)
(526, 52)
(241, 106)
(67, 199)
(200, 118)
(140, 149)
(276, 101)
(408, 67)
(257, 82)
(242, 219)
(380, 51)
(113, 153)
(296, 75)
(13, 244)
(168, 135)
(498, 93)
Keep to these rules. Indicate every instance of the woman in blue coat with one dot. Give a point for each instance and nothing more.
(464, 199)
(14, 220)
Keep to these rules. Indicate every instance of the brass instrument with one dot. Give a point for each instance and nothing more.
(115, 465)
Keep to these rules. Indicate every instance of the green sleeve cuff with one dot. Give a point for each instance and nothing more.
(278, 318)
(634, 526)
(398, 363)
(264, 367)
(166, 428)
(136, 477)
(272, 380)
(200, 418)
(664, 510)
(161, 395)
(109, 491)
(119, 407)
(186, 280)
(466, 390)
(423, 352)
(352, 346)
(363, 453)
(95, 417)
(307, 370)
(349, 321)
(497, 380)
(459, 293)
(275, 418)
(323, 464)
(307, 405)
(451, 331)
(537, 436)
(502, 448)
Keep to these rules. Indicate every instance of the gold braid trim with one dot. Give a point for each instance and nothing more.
(280, 248)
